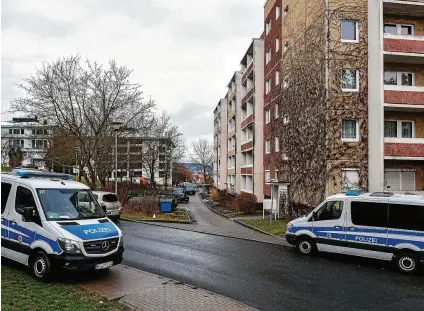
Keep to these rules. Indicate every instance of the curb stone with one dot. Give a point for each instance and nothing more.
(259, 230)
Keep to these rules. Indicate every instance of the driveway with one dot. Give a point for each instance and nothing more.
(207, 221)
(267, 276)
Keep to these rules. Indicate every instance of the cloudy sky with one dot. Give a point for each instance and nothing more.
(183, 52)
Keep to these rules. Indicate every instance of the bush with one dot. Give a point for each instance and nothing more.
(147, 205)
(215, 195)
(246, 203)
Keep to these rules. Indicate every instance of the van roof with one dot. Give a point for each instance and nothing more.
(407, 198)
(43, 182)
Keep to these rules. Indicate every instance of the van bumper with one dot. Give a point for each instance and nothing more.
(83, 263)
(291, 238)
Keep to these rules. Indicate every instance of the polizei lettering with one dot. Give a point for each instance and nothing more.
(97, 230)
(366, 239)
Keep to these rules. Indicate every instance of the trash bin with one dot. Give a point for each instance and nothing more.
(165, 204)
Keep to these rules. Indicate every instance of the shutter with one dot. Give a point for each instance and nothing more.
(392, 179)
(407, 181)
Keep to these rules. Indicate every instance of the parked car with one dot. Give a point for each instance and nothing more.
(46, 227)
(110, 203)
(190, 189)
(383, 226)
(180, 195)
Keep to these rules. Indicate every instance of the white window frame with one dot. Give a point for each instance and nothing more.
(357, 80)
(268, 86)
(399, 78)
(286, 119)
(277, 111)
(277, 12)
(356, 139)
(277, 77)
(268, 116)
(267, 147)
(277, 45)
(285, 157)
(286, 82)
(357, 31)
(267, 176)
(348, 170)
(268, 27)
(399, 128)
(277, 144)
(268, 56)
(399, 29)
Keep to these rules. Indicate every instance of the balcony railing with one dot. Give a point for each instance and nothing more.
(404, 43)
(411, 95)
(247, 120)
(247, 72)
(404, 148)
(248, 95)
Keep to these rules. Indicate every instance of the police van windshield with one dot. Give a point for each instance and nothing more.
(69, 204)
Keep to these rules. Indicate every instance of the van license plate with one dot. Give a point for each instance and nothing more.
(104, 265)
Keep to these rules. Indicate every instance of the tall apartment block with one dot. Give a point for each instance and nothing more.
(243, 128)
(344, 96)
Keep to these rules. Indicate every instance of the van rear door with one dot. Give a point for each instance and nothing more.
(366, 228)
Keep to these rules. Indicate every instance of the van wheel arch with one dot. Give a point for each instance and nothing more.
(406, 260)
(42, 270)
(306, 245)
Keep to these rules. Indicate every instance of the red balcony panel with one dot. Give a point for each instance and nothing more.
(404, 97)
(404, 150)
(248, 95)
(247, 170)
(404, 46)
(247, 72)
(247, 121)
(247, 146)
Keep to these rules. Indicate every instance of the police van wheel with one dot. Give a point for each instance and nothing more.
(41, 266)
(306, 246)
(407, 262)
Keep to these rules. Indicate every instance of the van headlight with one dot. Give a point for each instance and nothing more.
(289, 226)
(69, 246)
(121, 241)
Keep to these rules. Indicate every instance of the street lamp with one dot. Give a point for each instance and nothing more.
(116, 126)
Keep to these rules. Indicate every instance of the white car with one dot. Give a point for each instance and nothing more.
(110, 203)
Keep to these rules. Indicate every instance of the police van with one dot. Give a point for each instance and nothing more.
(384, 226)
(49, 221)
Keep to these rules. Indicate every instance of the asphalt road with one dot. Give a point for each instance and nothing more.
(270, 277)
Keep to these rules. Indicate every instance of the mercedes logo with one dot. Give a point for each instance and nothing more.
(105, 245)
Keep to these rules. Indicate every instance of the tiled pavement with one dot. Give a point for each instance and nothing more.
(143, 291)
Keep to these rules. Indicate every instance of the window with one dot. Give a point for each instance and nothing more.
(267, 116)
(267, 176)
(5, 191)
(277, 77)
(399, 129)
(399, 29)
(350, 130)
(10, 131)
(399, 78)
(286, 83)
(350, 78)
(286, 46)
(286, 119)
(398, 180)
(350, 31)
(268, 56)
(350, 179)
(16, 131)
(407, 217)
(268, 26)
(22, 131)
(277, 45)
(277, 112)
(331, 210)
(277, 144)
(369, 214)
(286, 10)
(277, 11)
(24, 198)
(285, 157)
(267, 147)
(276, 175)
(267, 86)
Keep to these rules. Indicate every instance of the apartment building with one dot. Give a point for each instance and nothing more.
(238, 127)
(344, 97)
(220, 145)
(30, 136)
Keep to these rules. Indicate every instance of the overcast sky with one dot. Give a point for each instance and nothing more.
(183, 52)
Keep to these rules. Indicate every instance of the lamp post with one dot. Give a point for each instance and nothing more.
(116, 125)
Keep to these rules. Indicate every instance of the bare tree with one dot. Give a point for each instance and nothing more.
(203, 154)
(82, 99)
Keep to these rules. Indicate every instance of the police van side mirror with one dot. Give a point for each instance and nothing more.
(28, 214)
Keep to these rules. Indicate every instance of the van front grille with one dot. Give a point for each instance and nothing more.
(101, 246)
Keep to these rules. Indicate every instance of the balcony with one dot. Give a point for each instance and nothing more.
(231, 94)
(246, 121)
(231, 114)
(248, 95)
(247, 72)
(404, 148)
(247, 146)
(405, 95)
(404, 44)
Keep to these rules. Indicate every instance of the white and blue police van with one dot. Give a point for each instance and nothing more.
(382, 225)
(49, 222)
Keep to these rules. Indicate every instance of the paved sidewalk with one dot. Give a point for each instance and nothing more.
(143, 291)
(207, 221)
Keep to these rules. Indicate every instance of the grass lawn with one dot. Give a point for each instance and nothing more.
(277, 227)
(6, 169)
(20, 292)
(178, 216)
